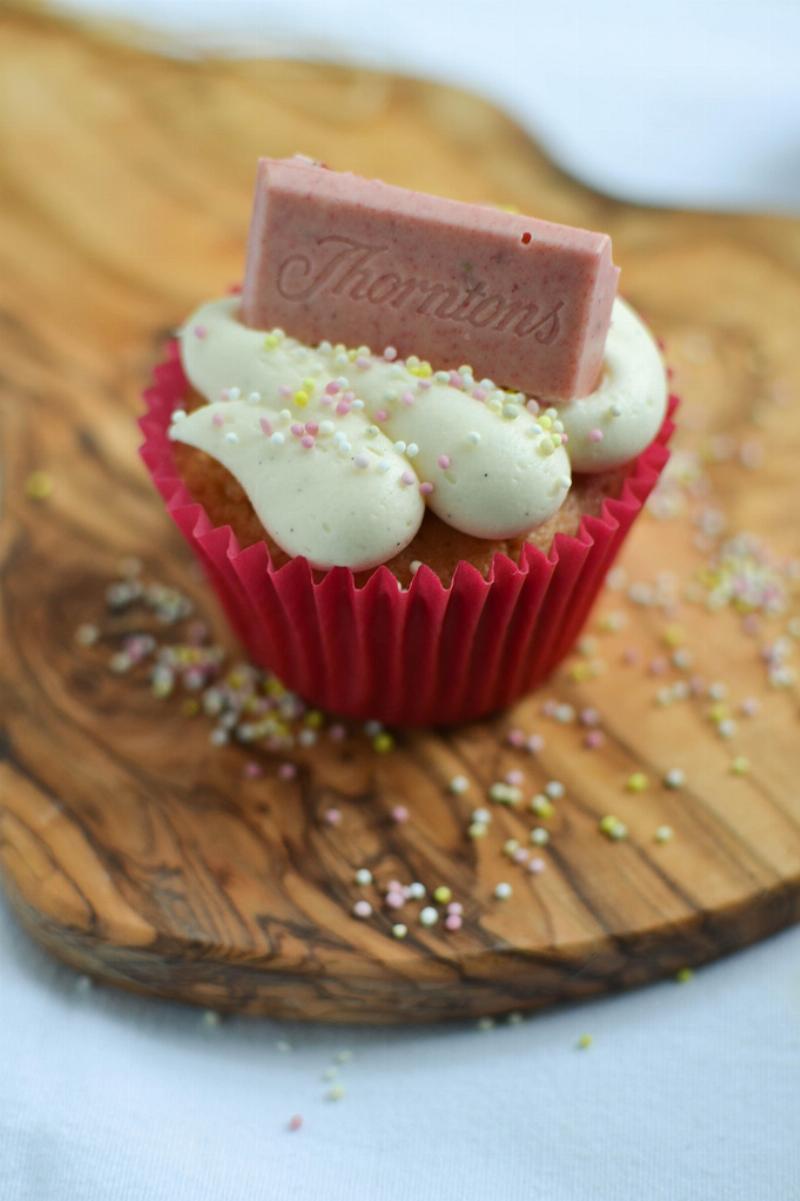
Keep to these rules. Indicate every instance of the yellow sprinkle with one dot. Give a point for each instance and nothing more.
(383, 743)
(308, 385)
(274, 687)
(314, 719)
(191, 707)
(542, 806)
(673, 636)
(637, 782)
(335, 1094)
(740, 765)
(38, 485)
(442, 894)
(719, 712)
(300, 398)
(580, 672)
(613, 827)
(584, 1042)
(684, 975)
(271, 341)
(545, 422)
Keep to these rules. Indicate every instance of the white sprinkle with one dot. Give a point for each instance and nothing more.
(481, 815)
(357, 404)
(383, 466)
(503, 891)
(674, 778)
(539, 836)
(428, 916)
(414, 566)
(254, 398)
(232, 437)
(284, 416)
(459, 785)
(210, 1018)
(363, 876)
(416, 890)
(399, 930)
(283, 1045)
(277, 439)
(400, 447)
(178, 414)
(326, 428)
(412, 450)
(664, 833)
(473, 437)
(554, 789)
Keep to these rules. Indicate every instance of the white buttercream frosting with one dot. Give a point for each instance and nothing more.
(339, 451)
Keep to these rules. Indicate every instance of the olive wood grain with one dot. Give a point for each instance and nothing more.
(131, 848)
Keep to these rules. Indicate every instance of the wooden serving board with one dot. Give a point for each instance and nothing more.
(137, 851)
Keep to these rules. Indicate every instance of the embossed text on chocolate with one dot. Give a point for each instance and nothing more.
(344, 267)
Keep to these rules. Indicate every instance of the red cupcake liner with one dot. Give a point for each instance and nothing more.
(428, 654)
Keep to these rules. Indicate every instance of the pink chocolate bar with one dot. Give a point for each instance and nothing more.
(333, 256)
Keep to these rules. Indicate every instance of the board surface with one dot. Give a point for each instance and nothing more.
(135, 849)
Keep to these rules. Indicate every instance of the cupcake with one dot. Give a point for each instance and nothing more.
(399, 538)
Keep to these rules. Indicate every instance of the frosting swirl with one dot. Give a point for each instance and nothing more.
(340, 450)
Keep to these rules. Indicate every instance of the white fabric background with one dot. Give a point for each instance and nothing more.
(688, 1093)
(681, 102)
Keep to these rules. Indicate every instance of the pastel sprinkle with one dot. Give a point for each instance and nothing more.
(584, 1042)
(399, 930)
(428, 916)
(636, 782)
(363, 876)
(443, 461)
(664, 834)
(399, 814)
(503, 891)
(266, 426)
(38, 485)
(442, 894)
(674, 778)
(362, 909)
(453, 921)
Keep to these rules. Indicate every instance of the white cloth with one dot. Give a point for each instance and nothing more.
(678, 102)
(689, 1092)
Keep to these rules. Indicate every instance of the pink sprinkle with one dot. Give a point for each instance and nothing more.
(333, 817)
(332, 387)
(426, 488)
(217, 420)
(337, 732)
(287, 771)
(535, 744)
(515, 777)
(532, 406)
(750, 706)
(657, 666)
(751, 624)
(200, 331)
(536, 866)
(455, 907)
(594, 739)
(312, 428)
(630, 656)
(381, 415)
(408, 477)
(252, 770)
(479, 393)
(343, 408)
(362, 361)
(390, 354)
(266, 426)
(349, 395)
(395, 900)
(295, 1122)
(444, 462)
(399, 814)
(407, 398)
(564, 439)
(549, 708)
(589, 717)
(515, 737)
(453, 921)
(285, 391)
(455, 380)
(596, 435)
(362, 909)
(520, 855)
(307, 441)
(424, 384)
(297, 429)
(394, 886)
